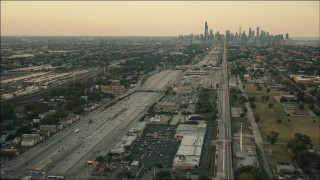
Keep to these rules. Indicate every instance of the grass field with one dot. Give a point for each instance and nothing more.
(269, 116)
(279, 153)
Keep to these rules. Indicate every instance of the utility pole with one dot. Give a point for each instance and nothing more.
(241, 137)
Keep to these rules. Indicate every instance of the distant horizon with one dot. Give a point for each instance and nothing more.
(29, 36)
(122, 36)
(157, 18)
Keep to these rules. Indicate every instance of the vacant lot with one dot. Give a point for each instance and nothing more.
(279, 153)
(289, 125)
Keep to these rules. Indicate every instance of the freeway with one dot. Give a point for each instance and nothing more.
(65, 153)
(160, 80)
(104, 128)
(212, 56)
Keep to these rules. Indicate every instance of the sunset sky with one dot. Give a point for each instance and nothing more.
(159, 18)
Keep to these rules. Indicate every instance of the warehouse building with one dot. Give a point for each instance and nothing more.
(189, 152)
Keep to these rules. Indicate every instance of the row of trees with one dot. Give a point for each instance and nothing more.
(300, 146)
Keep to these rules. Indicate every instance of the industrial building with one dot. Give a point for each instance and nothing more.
(189, 152)
(137, 129)
(121, 146)
(190, 129)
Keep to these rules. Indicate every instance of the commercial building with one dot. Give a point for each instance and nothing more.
(121, 146)
(115, 88)
(189, 152)
(190, 129)
(166, 106)
(182, 89)
(137, 129)
(206, 31)
(300, 79)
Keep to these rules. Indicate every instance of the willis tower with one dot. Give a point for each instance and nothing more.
(206, 31)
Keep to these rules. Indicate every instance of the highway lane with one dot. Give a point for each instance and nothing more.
(42, 147)
(110, 141)
(165, 78)
(211, 57)
(129, 110)
(61, 146)
(65, 153)
(161, 80)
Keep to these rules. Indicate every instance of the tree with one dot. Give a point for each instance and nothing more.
(100, 159)
(273, 137)
(234, 97)
(257, 117)
(270, 105)
(244, 108)
(311, 106)
(301, 106)
(203, 177)
(252, 99)
(268, 90)
(7, 111)
(178, 177)
(300, 96)
(23, 130)
(299, 143)
(162, 175)
(246, 176)
(265, 98)
(299, 146)
(253, 105)
(283, 99)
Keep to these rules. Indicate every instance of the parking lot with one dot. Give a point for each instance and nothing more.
(157, 146)
(185, 102)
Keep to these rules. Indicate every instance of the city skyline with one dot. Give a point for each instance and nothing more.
(102, 18)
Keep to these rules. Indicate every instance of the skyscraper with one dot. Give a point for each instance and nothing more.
(249, 35)
(228, 35)
(287, 35)
(206, 31)
(258, 33)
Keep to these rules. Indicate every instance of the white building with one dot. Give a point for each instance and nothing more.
(121, 146)
(30, 139)
(137, 128)
(189, 152)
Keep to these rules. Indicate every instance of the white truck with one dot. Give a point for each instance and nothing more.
(77, 130)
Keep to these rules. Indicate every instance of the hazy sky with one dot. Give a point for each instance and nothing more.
(298, 18)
